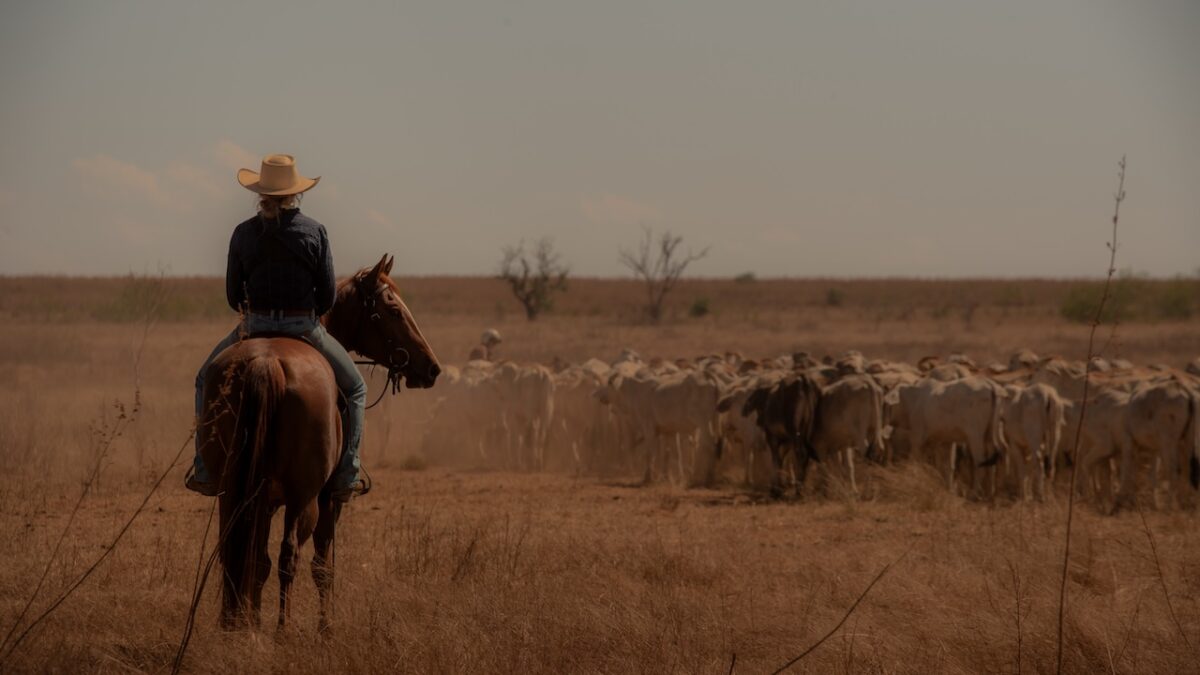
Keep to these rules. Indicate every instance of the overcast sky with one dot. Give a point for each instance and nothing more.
(798, 138)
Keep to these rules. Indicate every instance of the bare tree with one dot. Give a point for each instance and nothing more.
(533, 275)
(659, 264)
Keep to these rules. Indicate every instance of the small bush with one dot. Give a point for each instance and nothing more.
(834, 297)
(699, 308)
(745, 278)
(413, 463)
(1132, 299)
(1177, 300)
(1011, 296)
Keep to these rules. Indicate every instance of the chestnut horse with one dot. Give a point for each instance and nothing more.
(271, 430)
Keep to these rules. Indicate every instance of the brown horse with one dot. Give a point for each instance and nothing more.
(272, 432)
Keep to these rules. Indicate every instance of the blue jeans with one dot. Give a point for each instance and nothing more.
(349, 381)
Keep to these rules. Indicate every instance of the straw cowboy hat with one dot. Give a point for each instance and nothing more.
(278, 177)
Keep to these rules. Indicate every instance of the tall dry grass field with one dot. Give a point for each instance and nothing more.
(450, 569)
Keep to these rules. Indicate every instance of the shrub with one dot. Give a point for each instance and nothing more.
(1080, 303)
(699, 308)
(1177, 300)
(413, 463)
(834, 298)
(745, 278)
(1132, 298)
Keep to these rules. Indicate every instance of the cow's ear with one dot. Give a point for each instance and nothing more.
(725, 403)
(754, 403)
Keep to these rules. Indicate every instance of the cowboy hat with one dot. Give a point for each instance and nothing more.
(278, 177)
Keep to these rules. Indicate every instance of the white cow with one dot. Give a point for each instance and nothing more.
(1033, 420)
(849, 423)
(937, 415)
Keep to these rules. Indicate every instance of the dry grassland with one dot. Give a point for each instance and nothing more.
(449, 569)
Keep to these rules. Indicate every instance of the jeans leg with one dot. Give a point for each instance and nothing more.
(350, 382)
(198, 463)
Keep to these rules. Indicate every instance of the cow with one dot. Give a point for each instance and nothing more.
(580, 420)
(1023, 359)
(526, 401)
(848, 422)
(1033, 419)
(942, 414)
(466, 422)
(660, 412)
(1158, 421)
(785, 412)
(741, 440)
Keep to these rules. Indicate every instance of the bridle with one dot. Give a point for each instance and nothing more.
(393, 365)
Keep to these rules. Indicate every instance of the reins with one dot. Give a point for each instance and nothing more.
(394, 368)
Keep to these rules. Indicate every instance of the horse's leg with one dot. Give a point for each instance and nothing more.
(298, 526)
(322, 565)
(262, 561)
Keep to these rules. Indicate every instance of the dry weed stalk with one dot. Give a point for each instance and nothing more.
(845, 616)
(66, 593)
(1118, 197)
(106, 435)
(1162, 582)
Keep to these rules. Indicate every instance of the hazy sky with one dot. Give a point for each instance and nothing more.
(931, 138)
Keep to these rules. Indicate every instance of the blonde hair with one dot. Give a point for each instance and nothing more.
(269, 206)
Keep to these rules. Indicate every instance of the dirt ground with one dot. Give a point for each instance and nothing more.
(450, 569)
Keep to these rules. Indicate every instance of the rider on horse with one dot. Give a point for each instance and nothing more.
(280, 278)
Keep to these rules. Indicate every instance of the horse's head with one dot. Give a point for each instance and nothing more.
(370, 318)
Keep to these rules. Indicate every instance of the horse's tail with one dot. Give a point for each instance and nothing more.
(244, 483)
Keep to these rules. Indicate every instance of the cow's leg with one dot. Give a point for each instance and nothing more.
(323, 558)
(1095, 467)
(953, 473)
(1015, 459)
(682, 441)
(1126, 473)
(849, 451)
(776, 486)
(975, 450)
(1169, 451)
(1039, 475)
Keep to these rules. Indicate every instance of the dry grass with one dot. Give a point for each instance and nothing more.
(448, 570)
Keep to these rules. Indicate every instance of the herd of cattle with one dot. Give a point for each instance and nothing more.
(1000, 427)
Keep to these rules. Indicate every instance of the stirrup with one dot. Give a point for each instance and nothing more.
(206, 489)
(361, 486)
(344, 495)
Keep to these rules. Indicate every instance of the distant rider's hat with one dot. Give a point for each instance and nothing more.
(277, 178)
(490, 337)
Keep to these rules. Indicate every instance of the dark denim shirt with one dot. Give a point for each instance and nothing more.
(284, 264)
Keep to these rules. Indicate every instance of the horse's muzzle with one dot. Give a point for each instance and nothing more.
(417, 381)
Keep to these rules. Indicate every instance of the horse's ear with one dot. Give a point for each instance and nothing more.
(372, 278)
(388, 268)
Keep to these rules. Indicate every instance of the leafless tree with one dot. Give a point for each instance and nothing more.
(659, 264)
(534, 275)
